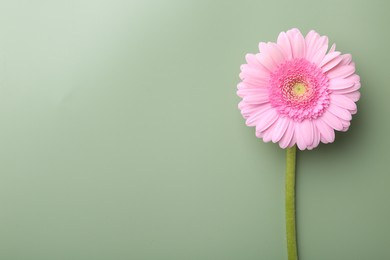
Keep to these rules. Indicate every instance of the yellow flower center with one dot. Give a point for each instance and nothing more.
(299, 89)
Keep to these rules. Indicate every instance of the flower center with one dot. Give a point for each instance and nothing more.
(298, 89)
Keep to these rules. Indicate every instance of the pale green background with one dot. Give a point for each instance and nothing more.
(120, 136)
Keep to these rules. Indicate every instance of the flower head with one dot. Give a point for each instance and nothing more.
(295, 92)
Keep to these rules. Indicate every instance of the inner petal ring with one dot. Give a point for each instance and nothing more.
(299, 90)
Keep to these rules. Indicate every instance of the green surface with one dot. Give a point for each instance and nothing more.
(120, 136)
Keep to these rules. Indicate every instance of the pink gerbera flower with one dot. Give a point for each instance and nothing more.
(295, 92)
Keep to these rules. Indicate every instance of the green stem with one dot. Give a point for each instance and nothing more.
(290, 204)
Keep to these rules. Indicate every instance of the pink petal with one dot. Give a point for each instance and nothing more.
(332, 120)
(326, 132)
(355, 87)
(332, 48)
(308, 131)
(255, 72)
(241, 105)
(252, 61)
(259, 98)
(323, 140)
(251, 86)
(257, 115)
(288, 135)
(341, 71)
(329, 57)
(331, 62)
(330, 65)
(354, 77)
(266, 61)
(345, 129)
(336, 84)
(248, 110)
(254, 82)
(304, 133)
(285, 46)
(269, 132)
(241, 85)
(311, 41)
(259, 134)
(247, 92)
(354, 96)
(276, 53)
(322, 47)
(316, 136)
(347, 59)
(268, 118)
(297, 41)
(280, 128)
(346, 125)
(300, 142)
(343, 101)
(340, 112)
(263, 47)
(293, 141)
